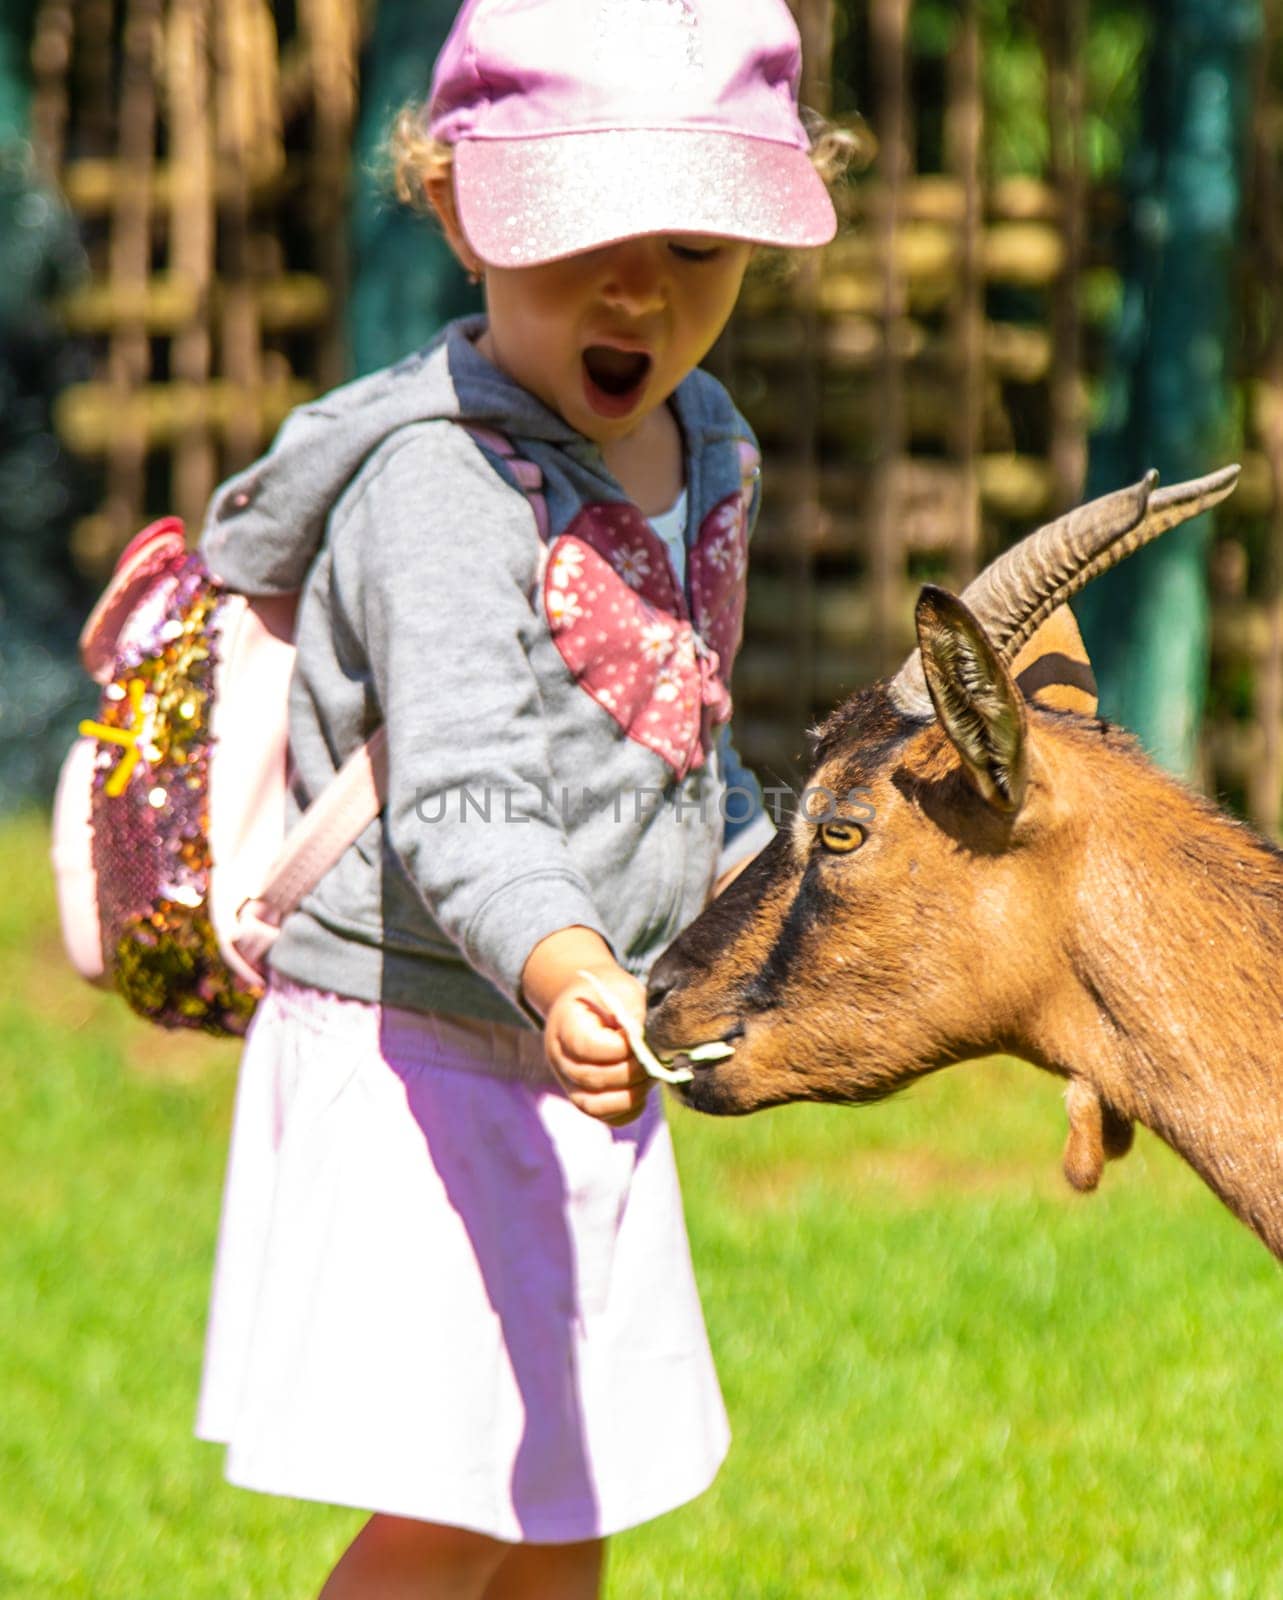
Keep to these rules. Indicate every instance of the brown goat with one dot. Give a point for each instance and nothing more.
(1005, 878)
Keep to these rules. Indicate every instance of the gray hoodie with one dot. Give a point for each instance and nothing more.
(558, 752)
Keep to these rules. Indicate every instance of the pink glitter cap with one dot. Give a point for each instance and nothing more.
(578, 123)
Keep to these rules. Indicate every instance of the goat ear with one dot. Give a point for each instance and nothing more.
(975, 696)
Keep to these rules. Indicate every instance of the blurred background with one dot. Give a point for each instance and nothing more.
(1062, 263)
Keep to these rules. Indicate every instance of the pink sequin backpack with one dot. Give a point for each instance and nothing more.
(170, 852)
(170, 811)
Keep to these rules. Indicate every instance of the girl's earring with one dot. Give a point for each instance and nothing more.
(476, 276)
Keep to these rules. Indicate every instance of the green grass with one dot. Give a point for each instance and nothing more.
(947, 1375)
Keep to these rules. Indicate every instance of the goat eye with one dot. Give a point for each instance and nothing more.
(841, 837)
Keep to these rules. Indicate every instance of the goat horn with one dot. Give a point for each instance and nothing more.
(1018, 591)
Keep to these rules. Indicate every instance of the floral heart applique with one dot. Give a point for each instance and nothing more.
(622, 626)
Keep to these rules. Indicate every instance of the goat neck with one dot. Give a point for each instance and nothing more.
(1169, 995)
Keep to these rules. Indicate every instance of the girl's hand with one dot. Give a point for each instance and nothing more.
(586, 1048)
(588, 1051)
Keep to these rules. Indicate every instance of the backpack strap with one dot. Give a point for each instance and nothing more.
(335, 819)
(356, 794)
(527, 474)
(750, 474)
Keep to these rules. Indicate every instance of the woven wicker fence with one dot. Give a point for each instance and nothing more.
(921, 388)
(924, 388)
(206, 157)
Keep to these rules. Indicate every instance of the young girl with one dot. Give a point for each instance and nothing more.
(444, 1293)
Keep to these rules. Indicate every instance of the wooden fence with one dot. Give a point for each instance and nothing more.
(206, 158)
(921, 388)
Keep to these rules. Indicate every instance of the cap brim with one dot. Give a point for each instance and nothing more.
(523, 202)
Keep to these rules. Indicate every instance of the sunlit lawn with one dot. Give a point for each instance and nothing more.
(947, 1375)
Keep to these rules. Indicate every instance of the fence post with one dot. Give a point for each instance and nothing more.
(1146, 623)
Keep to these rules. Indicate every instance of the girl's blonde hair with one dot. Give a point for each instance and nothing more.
(415, 159)
(838, 148)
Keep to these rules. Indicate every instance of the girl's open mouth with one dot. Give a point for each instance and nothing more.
(614, 379)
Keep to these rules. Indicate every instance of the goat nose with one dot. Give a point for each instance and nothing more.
(657, 993)
(662, 982)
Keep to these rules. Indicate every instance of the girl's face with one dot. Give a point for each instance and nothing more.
(604, 338)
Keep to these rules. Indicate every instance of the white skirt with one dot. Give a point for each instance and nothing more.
(442, 1292)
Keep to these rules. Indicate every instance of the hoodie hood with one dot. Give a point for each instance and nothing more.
(265, 525)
